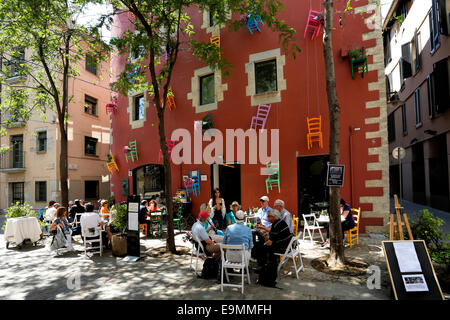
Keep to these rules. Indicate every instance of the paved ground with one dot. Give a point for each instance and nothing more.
(34, 273)
(413, 209)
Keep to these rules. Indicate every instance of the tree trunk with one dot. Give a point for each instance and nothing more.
(167, 182)
(336, 246)
(63, 167)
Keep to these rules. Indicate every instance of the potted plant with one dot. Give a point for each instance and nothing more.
(120, 222)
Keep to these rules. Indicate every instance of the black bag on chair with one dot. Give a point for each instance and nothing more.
(268, 275)
(210, 269)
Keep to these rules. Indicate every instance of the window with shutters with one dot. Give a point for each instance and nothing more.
(433, 16)
(441, 88)
(387, 46)
(42, 141)
(430, 90)
(391, 127)
(444, 16)
(417, 107)
(405, 63)
(40, 189)
(404, 123)
(416, 52)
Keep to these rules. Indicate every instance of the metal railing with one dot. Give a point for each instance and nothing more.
(12, 160)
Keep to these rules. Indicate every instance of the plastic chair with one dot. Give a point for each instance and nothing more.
(112, 107)
(177, 220)
(253, 21)
(353, 234)
(143, 228)
(112, 165)
(207, 122)
(156, 222)
(198, 251)
(170, 144)
(91, 241)
(295, 224)
(358, 59)
(194, 185)
(313, 23)
(133, 155)
(314, 131)
(311, 226)
(132, 75)
(292, 252)
(77, 225)
(261, 116)
(274, 178)
(235, 259)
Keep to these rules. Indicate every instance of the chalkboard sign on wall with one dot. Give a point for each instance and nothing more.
(411, 271)
(335, 175)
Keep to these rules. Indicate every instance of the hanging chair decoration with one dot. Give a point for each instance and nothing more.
(112, 107)
(170, 144)
(188, 182)
(170, 100)
(126, 149)
(207, 123)
(215, 40)
(195, 185)
(111, 164)
(261, 117)
(274, 176)
(314, 131)
(358, 60)
(132, 151)
(314, 23)
(132, 75)
(253, 22)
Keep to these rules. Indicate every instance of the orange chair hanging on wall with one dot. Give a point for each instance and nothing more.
(314, 131)
(170, 100)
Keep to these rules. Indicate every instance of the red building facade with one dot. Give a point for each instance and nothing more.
(298, 92)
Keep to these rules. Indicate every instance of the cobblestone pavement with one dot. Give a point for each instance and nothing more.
(413, 209)
(34, 273)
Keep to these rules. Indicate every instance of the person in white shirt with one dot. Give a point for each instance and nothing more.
(50, 212)
(89, 220)
(285, 215)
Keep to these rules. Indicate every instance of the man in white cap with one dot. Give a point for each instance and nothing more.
(262, 212)
(239, 233)
(285, 215)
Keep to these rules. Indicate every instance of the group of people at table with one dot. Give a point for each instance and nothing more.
(271, 234)
(80, 218)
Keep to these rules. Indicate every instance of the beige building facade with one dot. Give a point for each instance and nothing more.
(29, 171)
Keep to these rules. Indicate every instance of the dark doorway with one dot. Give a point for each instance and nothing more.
(148, 181)
(438, 172)
(311, 177)
(229, 182)
(394, 181)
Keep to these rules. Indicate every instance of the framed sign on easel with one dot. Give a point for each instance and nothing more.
(411, 270)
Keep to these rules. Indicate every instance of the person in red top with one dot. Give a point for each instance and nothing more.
(153, 206)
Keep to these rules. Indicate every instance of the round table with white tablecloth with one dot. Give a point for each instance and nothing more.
(19, 229)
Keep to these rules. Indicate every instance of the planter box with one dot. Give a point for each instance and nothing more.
(119, 245)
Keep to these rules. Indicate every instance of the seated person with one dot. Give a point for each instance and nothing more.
(104, 211)
(142, 215)
(230, 216)
(239, 233)
(279, 238)
(216, 235)
(198, 230)
(89, 220)
(347, 224)
(153, 206)
(285, 215)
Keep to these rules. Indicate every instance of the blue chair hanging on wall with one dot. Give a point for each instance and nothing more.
(253, 21)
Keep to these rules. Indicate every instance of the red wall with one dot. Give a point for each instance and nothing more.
(305, 78)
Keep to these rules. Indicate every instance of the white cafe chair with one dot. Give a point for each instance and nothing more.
(198, 251)
(233, 256)
(95, 249)
(311, 225)
(292, 252)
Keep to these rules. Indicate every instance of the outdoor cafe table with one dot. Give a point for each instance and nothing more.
(19, 229)
(326, 219)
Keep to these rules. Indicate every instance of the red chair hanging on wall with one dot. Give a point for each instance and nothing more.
(112, 107)
(314, 131)
(261, 117)
(313, 23)
(170, 144)
(170, 100)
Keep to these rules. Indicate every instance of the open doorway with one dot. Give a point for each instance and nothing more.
(311, 178)
(227, 177)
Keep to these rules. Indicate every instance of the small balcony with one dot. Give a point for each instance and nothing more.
(12, 162)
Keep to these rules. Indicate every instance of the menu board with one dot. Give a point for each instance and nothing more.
(133, 242)
(335, 175)
(411, 271)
